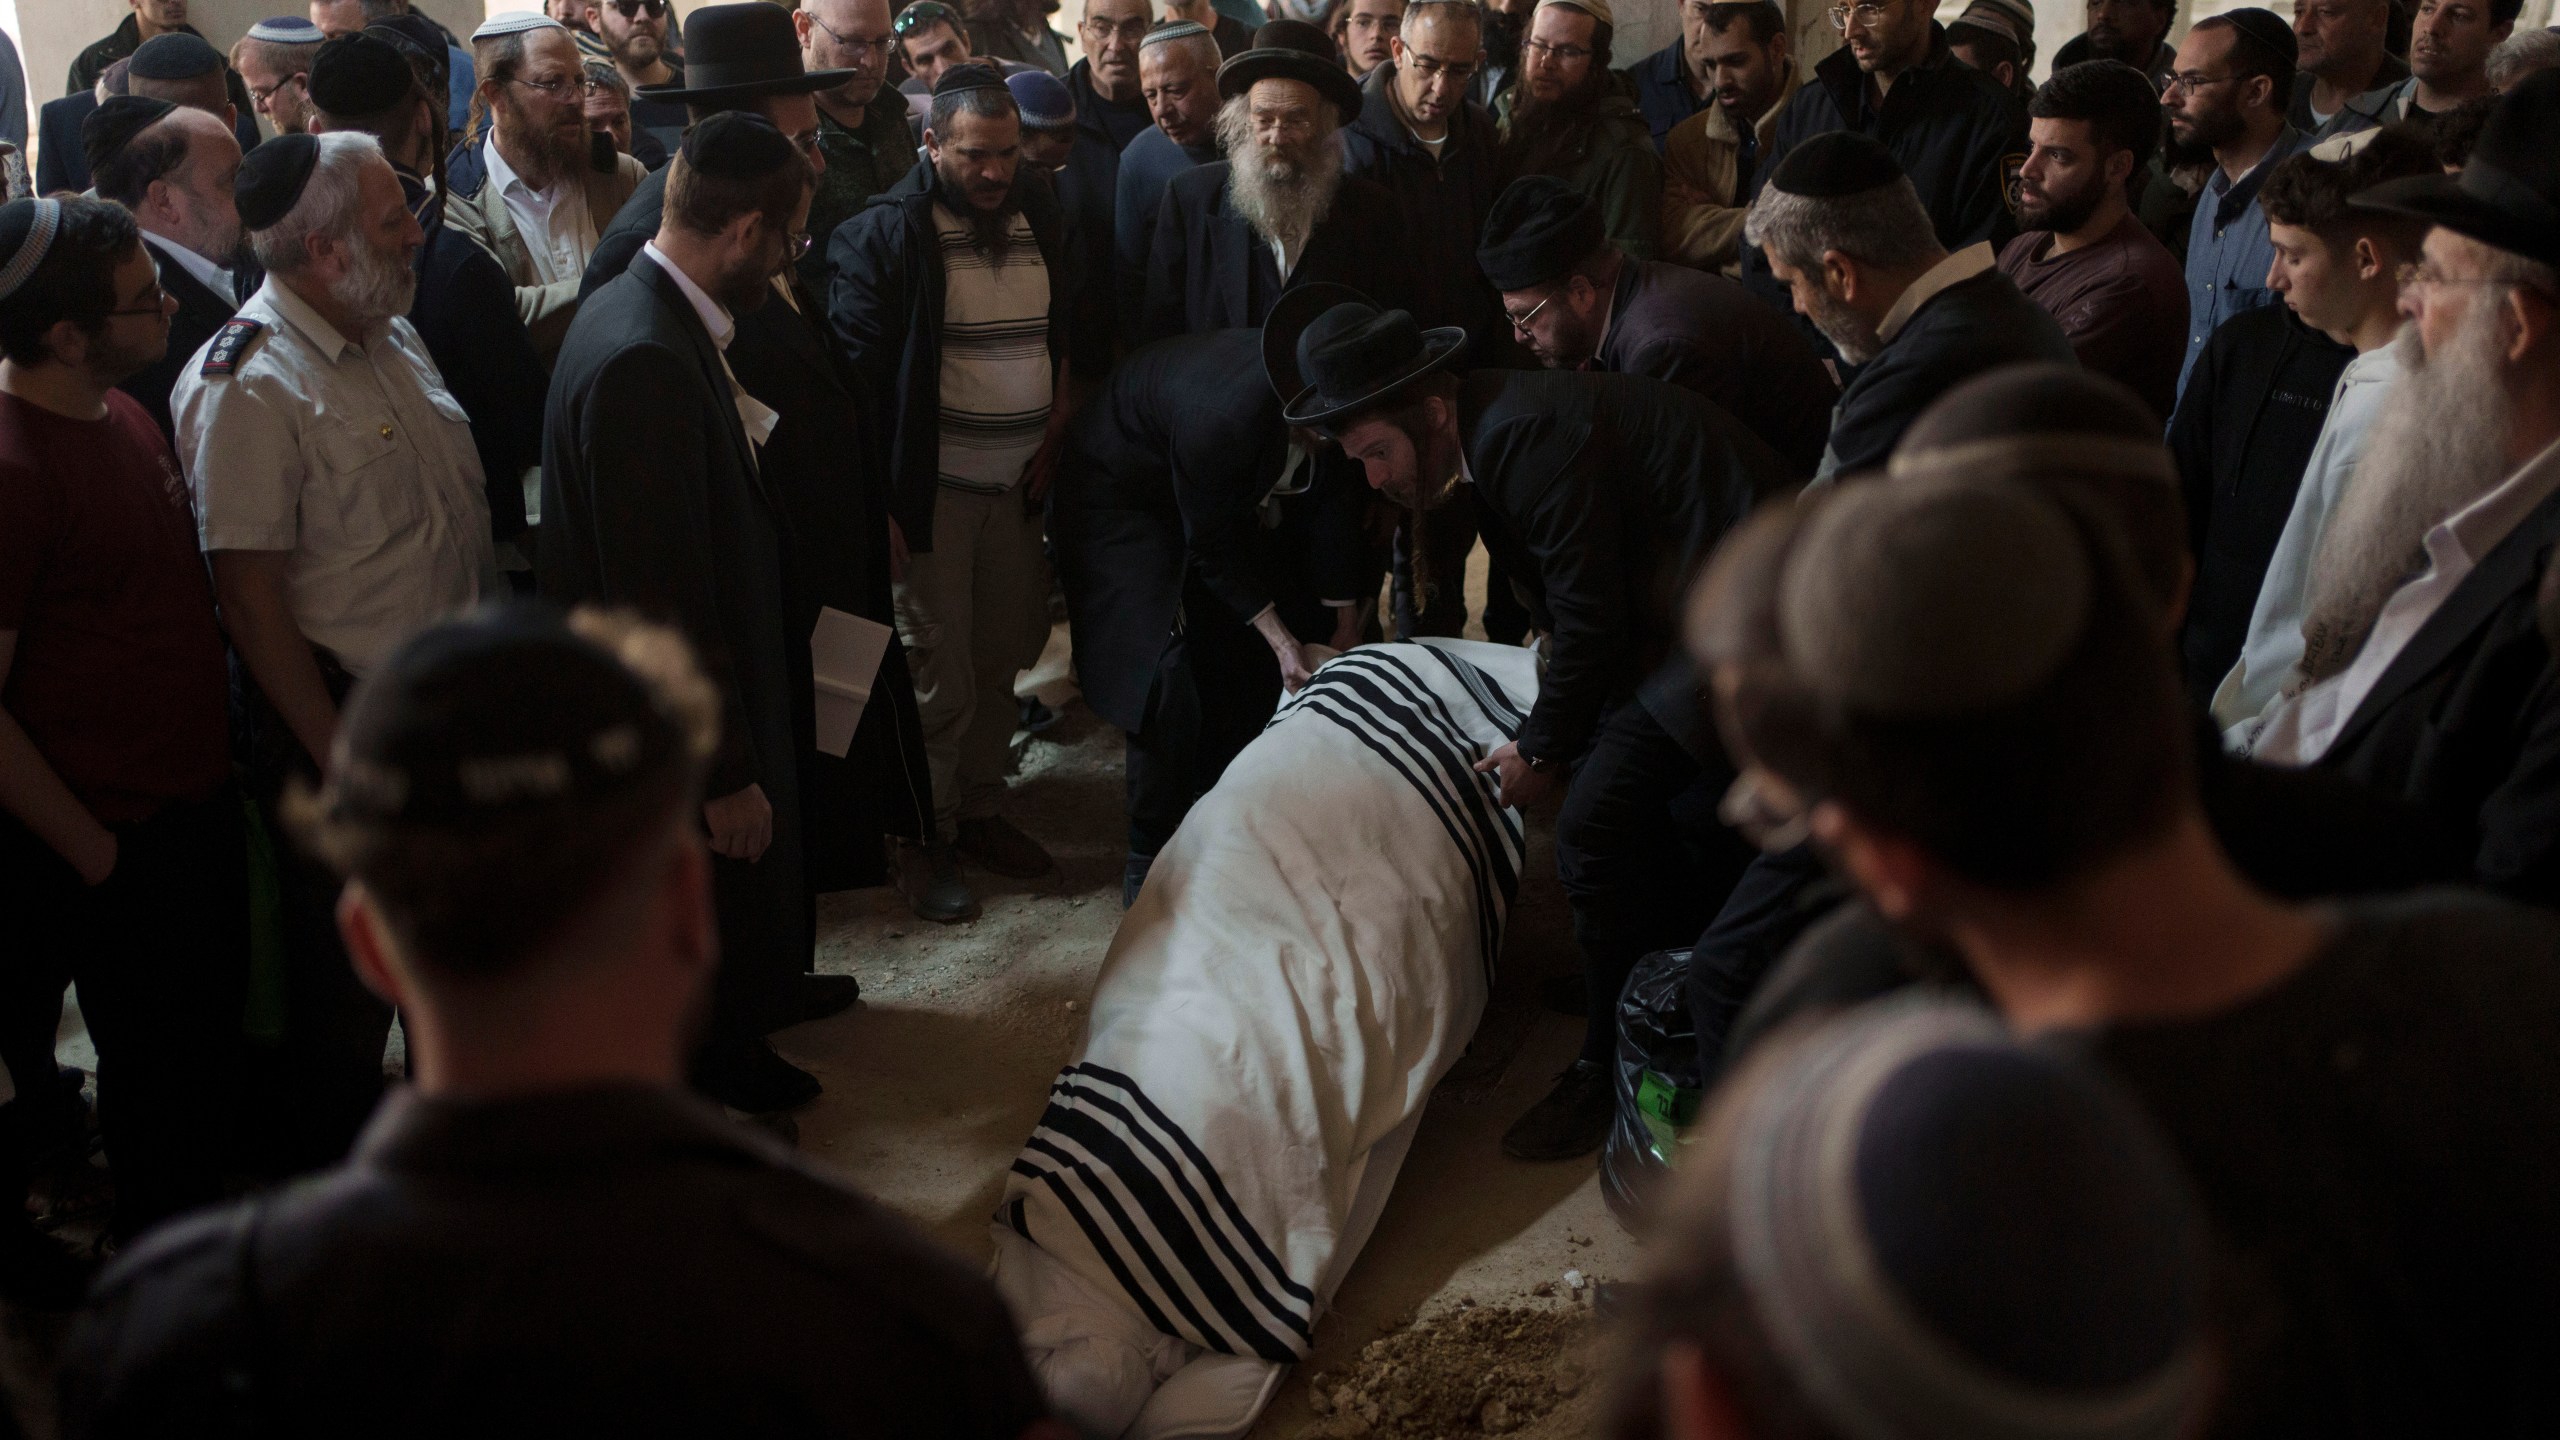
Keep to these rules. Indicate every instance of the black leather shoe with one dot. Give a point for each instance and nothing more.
(936, 890)
(1571, 1121)
(754, 1079)
(1566, 995)
(815, 997)
(1000, 845)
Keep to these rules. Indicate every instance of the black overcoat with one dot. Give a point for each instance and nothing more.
(201, 311)
(1209, 271)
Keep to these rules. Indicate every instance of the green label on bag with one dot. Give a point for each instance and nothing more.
(1667, 1110)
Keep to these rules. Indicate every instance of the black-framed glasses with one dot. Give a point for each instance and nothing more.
(157, 305)
(1131, 31)
(858, 47)
(1561, 54)
(1431, 67)
(922, 13)
(559, 85)
(1869, 16)
(2189, 83)
(633, 9)
(263, 93)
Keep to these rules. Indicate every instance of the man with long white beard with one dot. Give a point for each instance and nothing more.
(2422, 671)
(339, 497)
(1278, 212)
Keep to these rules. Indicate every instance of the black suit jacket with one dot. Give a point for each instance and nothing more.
(1209, 271)
(466, 316)
(1158, 512)
(201, 311)
(1604, 493)
(1706, 333)
(652, 500)
(1972, 326)
(834, 520)
(2465, 722)
(60, 162)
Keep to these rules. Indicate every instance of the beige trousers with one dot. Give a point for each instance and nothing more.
(974, 613)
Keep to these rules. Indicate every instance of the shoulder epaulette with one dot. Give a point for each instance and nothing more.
(231, 345)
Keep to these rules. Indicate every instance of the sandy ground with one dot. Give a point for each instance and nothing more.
(933, 1082)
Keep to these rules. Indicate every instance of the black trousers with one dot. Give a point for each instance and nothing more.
(1214, 691)
(1642, 857)
(160, 951)
(1778, 898)
(1438, 605)
(323, 1078)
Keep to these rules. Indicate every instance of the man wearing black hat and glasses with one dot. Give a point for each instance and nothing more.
(1278, 211)
(1203, 545)
(1601, 492)
(543, 1233)
(819, 465)
(654, 497)
(465, 310)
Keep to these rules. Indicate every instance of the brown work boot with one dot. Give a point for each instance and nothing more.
(1000, 846)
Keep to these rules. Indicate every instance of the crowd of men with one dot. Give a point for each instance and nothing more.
(2077, 553)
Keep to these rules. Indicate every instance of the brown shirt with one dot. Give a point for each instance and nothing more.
(2121, 301)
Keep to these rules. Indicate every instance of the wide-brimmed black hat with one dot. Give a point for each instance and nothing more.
(1332, 353)
(2508, 194)
(738, 52)
(1293, 50)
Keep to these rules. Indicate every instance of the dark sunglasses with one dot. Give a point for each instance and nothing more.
(631, 9)
(922, 13)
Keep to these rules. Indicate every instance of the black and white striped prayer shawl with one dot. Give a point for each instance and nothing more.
(1280, 1053)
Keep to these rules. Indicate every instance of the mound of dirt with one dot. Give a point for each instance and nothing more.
(1474, 1370)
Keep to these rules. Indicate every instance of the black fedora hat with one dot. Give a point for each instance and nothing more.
(738, 52)
(2508, 195)
(1332, 354)
(1293, 50)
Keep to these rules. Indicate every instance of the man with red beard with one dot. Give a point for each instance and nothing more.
(1278, 212)
(2423, 672)
(539, 190)
(1569, 118)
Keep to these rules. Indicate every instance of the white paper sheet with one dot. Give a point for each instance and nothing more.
(845, 652)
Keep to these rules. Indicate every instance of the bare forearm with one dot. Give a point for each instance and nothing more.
(255, 613)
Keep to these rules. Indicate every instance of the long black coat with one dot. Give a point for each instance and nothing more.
(2465, 722)
(466, 316)
(201, 311)
(834, 518)
(1705, 333)
(651, 500)
(1604, 493)
(1209, 271)
(1157, 513)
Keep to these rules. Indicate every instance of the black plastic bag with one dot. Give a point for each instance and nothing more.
(1655, 1079)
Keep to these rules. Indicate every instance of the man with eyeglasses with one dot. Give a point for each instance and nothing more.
(1178, 75)
(1111, 111)
(172, 166)
(274, 59)
(537, 189)
(120, 829)
(1365, 32)
(1958, 135)
(931, 37)
(634, 33)
(2226, 106)
(1570, 117)
(1421, 139)
(1711, 161)
(862, 123)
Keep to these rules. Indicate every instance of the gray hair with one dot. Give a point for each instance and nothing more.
(2523, 53)
(1885, 228)
(1202, 47)
(327, 206)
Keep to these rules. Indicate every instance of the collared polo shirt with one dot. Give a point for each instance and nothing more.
(2228, 251)
(557, 230)
(351, 457)
(2302, 727)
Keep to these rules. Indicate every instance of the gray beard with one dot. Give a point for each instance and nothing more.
(1848, 332)
(1282, 198)
(378, 287)
(2439, 443)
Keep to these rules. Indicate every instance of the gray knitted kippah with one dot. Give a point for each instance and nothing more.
(1926, 598)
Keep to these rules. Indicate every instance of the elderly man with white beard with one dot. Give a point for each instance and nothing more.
(338, 496)
(2423, 672)
(1278, 212)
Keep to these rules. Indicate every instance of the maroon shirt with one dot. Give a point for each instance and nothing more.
(119, 676)
(2122, 303)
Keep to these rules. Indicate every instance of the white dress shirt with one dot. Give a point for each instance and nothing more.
(557, 230)
(758, 417)
(207, 274)
(2300, 729)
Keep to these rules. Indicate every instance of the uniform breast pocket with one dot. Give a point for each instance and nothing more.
(374, 483)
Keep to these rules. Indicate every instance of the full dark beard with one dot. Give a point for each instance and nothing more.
(990, 231)
(1548, 135)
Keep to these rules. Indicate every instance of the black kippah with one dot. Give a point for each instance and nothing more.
(360, 74)
(2268, 29)
(175, 56)
(1833, 164)
(1539, 229)
(272, 177)
(975, 75)
(114, 123)
(736, 145)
